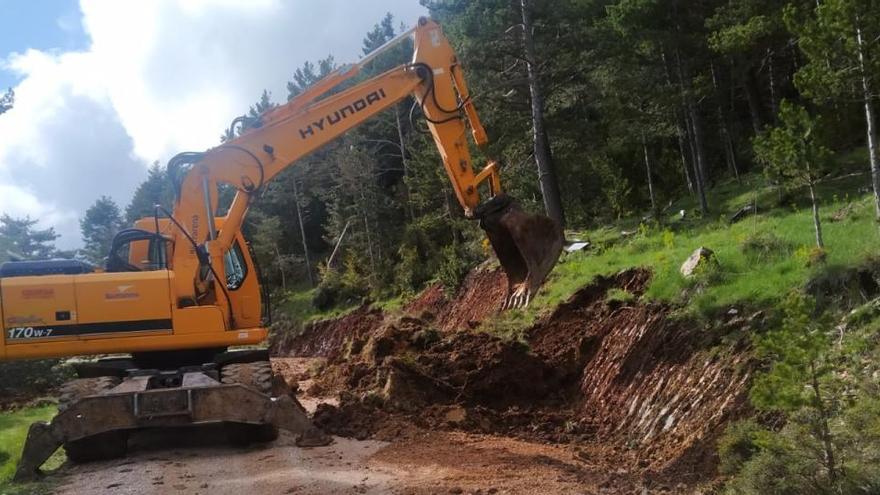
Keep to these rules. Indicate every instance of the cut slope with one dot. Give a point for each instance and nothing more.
(619, 377)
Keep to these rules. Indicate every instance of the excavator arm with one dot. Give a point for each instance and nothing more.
(527, 246)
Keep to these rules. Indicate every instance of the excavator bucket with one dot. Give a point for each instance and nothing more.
(527, 246)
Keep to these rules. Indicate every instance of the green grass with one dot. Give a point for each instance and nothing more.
(760, 258)
(13, 431)
(742, 277)
(298, 306)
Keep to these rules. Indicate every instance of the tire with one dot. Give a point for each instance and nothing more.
(257, 375)
(242, 434)
(107, 445)
(75, 390)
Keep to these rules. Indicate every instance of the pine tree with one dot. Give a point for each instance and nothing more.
(155, 190)
(23, 240)
(838, 38)
(381, 34)
(796, 380)
(794, 152)
(101, 222)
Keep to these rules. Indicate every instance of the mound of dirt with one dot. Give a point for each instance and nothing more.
(480, 295)
(326, 338)
(647, 391)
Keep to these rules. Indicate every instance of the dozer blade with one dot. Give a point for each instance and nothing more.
(527, 246)
(95, 415)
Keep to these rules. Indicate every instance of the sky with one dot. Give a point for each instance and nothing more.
(104, 88)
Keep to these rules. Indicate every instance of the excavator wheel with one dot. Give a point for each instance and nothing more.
(257, 375)
(109, 445)
(243, 434)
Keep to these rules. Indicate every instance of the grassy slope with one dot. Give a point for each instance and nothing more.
(13, 431)
(742, 278)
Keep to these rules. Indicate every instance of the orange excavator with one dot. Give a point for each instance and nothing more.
(181, 287)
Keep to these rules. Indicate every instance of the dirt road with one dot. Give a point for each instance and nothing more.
(197, 461)
(426, 462)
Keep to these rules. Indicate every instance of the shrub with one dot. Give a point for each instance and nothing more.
(341, 286)
(738, 445)
(764, 246)
(454, 266)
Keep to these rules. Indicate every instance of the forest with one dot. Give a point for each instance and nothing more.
(633, 114)
(639, 103)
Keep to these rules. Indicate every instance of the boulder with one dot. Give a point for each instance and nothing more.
(742, 213)
(698, 258)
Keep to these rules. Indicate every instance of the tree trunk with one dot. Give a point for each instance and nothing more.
(543, 157)
(774, 104)
(681, 130)
(404, 162)
(700, 167)
(817, 223)
(870, 121)
(367, 232)
(754, 100)
(654, 212)
(692, 116)
(281, 269)
(729, 153)
(824, 430)
(302, 232)
(681, 135)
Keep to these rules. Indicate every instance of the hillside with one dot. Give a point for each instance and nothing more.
(619, 356)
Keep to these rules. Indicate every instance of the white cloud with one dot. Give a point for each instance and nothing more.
(158, 77)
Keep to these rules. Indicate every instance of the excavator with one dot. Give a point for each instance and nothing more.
(182, 287)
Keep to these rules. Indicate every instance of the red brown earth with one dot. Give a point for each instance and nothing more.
(639, 398)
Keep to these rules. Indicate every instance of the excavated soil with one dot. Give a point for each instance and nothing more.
(480, 295)
(642, 396)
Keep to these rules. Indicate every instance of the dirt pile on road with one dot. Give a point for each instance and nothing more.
(612, 375)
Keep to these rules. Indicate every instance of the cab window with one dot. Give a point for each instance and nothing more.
(236, 267)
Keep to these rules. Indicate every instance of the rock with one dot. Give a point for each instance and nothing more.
(455, 415)
(578, 246)
(698, 258)
(742, 213)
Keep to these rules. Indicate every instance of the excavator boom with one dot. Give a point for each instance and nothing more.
(527, 245)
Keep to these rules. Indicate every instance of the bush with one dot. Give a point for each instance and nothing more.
(764, 246)
(33, 378)
(738, 445)
(454, 266)
(339, 287)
